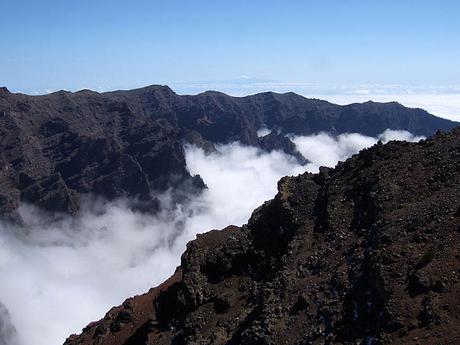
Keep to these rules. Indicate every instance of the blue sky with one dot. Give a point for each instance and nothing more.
(63, 44)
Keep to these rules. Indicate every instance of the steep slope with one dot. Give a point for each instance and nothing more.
(56, 147)
(366, 253)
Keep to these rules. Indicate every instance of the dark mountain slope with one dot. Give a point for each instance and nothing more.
(54, 148)
(366, 253)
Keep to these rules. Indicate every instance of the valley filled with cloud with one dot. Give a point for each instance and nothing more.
(61, 272)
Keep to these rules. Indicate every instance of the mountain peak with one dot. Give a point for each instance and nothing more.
(156, 88)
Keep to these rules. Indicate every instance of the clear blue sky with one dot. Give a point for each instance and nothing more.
(69, 44)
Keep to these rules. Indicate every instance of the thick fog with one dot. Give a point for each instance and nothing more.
(60, 273)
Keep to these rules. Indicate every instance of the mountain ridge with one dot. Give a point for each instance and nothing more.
(211, 91)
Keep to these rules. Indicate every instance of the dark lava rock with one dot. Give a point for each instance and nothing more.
(51, 193)
(333, 259)
(130, 143)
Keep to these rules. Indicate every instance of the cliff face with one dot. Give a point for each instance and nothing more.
(366, 253)
(55, 148)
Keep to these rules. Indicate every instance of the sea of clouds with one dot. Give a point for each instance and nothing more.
(59, 273)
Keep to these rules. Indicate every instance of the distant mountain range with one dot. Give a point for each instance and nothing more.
(57, 147)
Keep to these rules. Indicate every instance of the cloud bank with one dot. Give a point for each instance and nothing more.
(59, 273)
(323, 149)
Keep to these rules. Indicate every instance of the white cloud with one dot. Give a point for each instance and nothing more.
(360, 92)
(389, 134)
(263, 132)
(323, 149)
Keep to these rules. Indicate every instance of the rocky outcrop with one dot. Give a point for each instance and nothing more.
(279, 142)
(56, 147)
(366, 253)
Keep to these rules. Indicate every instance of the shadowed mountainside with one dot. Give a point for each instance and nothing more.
(56, 147)
(365, 253)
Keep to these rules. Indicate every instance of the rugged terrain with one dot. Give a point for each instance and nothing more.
(57, 147)
(365, 253)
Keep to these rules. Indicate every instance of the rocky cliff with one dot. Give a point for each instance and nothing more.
(58, 147)
(365, 253)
